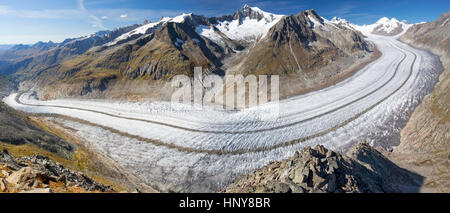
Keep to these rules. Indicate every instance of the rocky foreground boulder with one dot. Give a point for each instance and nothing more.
(361, 170)
(38, 174)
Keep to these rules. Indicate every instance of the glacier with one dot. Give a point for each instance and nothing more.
(220, 145)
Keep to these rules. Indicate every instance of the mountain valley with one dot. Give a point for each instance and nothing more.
(99, 105)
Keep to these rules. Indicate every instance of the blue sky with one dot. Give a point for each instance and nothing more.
(29, 21)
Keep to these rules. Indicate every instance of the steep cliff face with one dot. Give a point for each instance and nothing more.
(425, 141)
(303, 44)
(428, 129)
(433, 36)
(429, 126)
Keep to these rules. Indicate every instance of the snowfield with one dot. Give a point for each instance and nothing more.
(248, 29)
(214, 146)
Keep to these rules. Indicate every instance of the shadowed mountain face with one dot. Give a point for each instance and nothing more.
(23, 51)
(4, 47)
(249, 41)
(6, 86)
(16, 129)
(26, 62)
(302, 43)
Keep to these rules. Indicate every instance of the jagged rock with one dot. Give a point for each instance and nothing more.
(2, 185)
(20, 176)
(319, 170)
(7, 159)
(39, 174)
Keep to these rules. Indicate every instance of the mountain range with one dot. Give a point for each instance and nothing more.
(305, 49)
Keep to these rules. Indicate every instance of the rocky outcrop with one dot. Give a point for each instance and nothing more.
(361, 170)
(38, 174)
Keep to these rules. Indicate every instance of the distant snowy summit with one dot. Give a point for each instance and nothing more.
(384, 26)
(388, 27)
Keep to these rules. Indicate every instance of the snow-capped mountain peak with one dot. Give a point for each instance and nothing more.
(181, 18)
(255, 13)
(391, 27)
(248, 23)
(385, 26)
(140, 30)
(342, 22)
(383, 20)
(148, 26)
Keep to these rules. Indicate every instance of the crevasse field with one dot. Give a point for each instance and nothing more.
(219, 145)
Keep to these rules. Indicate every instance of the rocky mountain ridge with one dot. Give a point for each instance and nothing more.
(27, 61)
(361, 170)
(155, 52)
(425, 143)
(429, 126)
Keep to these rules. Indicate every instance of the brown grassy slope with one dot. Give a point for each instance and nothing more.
(16, 129)
(84, 159)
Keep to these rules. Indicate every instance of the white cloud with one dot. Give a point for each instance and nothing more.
(95, 21)
(104, 17)
(123, 16)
